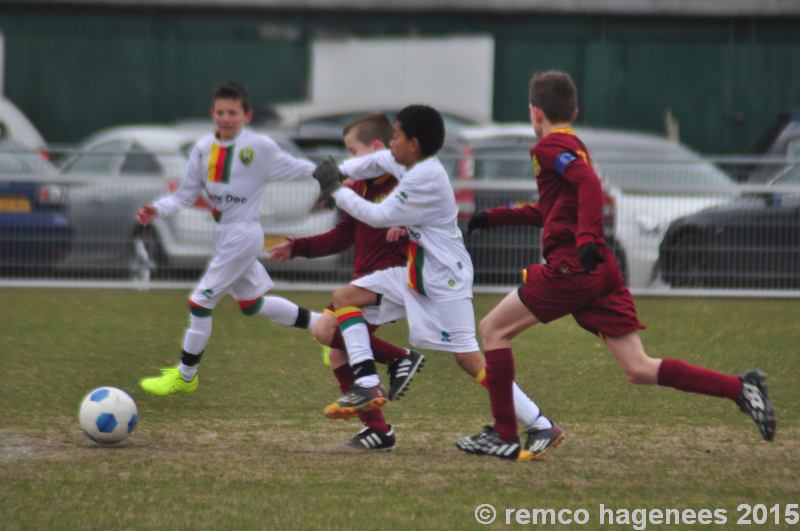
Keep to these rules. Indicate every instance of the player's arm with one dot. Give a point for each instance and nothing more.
(371, 166)
(281, 166)
(528, 214)
(185, 196)
(336, 240)
(408, 204)
(590, 196)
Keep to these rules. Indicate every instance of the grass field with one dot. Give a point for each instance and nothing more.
(251, 449)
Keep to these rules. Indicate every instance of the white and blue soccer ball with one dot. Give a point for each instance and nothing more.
(108, 415)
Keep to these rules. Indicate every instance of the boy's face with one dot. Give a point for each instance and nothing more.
(358, 148)
(404, 150)
(229, 116)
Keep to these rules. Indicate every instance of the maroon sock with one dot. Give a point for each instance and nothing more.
(373, 419)
(687, 377)
(500, 379)
(383, 351)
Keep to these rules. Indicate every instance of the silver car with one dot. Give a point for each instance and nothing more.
(117, 170)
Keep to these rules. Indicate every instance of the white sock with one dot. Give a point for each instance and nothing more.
(313, 318)
(528, 414)
(279, 310)
(194, 342)
(368, 381)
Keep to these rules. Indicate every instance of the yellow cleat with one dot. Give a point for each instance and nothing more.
(170, 382)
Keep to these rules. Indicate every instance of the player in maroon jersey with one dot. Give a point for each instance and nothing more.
(375, 249)
(581, 278)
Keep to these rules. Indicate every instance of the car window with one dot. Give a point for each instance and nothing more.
(793, 149)
(100, 159)
(790, 177)
(624, 168)
(502, 164)
(139, 161)
(23, 163)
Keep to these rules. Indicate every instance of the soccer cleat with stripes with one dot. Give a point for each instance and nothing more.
(356, 400)
(402, 371)
(489, 442)
(170, 382)
(372, 439)
(754, 401)
(539, 441)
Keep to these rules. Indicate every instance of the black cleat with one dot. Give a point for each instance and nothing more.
(488, 442)
(539, 441)
(402, 371)
(356, 400)
(372, 439)
(754, 401)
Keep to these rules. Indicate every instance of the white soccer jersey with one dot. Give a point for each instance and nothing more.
(439, 265)
(234, 173)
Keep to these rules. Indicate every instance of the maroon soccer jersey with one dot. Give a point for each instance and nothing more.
(564, 175)
(373, 252)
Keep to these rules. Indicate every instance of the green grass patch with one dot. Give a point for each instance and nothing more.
(251, 449)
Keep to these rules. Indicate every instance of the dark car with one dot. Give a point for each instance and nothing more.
(750, 243)
(35, 230)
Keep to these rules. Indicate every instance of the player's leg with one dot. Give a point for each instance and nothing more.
(748, 390)
(541, 432)
(366, 393)
(278, 310)
(509, 402)
(376, 434)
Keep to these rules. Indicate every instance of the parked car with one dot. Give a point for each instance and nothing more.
(643, 177)
(752, 242)
(17, 128)
(35, 231)
(780, 145)
(119, 169)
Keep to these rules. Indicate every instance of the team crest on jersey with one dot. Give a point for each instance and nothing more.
(246, 155)
(536, 167)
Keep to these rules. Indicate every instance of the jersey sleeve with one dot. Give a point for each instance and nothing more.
(372, 165)
(577, 171)
(414, 199)
(189, 190)
(336, 240)
(529, 214)
(281, 166)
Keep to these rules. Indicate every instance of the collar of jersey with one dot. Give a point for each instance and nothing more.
(229, 142)
(564, 130)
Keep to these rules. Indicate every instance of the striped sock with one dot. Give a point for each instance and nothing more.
(354, 330)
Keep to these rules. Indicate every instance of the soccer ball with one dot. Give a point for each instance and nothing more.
(107, 415)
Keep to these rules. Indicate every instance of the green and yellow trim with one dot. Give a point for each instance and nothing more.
(416, 263)
(349, 316)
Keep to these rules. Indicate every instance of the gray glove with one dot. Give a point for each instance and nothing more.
(329, 179)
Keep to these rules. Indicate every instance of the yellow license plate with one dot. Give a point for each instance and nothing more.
(15, 204)
(271, 241)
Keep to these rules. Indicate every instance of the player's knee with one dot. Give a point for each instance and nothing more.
(488, 331)
(324, 328)
(340, 299)
(639, 375)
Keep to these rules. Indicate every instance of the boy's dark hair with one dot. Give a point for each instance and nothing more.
(371, 127)
(425, 124)
(232, 91)
(555, 94)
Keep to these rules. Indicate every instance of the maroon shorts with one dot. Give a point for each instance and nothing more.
(599, 301)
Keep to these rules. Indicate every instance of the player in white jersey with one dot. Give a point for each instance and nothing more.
(435, 288)
(232, 167)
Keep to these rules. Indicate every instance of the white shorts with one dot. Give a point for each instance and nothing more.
(235, 269)
(435, 325)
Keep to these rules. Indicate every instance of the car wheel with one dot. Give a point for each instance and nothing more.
(689, 263)
(619, 254)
